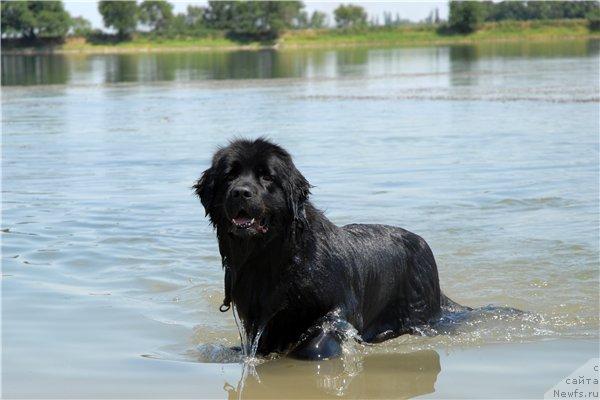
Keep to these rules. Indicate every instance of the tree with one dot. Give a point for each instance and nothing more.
(515, 10)
(593, 18)
(80, 26)
(187, 24)
(388, 20)
(301, 21)
(430, 17)
(33, 19)
(465, 16)
(531, 10)
(350, 16)
(195, 15)
(17, 19)
(318, 20)
(540, 9)
(433, 17)
(576, 9)
(194, 21)
(253, 19)
(156, 14)
(219, 14)
(120, 15)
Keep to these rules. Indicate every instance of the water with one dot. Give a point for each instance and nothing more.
(111, 279)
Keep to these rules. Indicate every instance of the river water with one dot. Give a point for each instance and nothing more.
(111, 277)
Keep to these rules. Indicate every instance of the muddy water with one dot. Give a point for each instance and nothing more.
(111, 278)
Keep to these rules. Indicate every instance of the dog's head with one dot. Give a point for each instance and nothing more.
(252, 189)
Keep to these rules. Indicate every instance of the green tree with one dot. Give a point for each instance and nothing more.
(80, 26)
(17, 19)
(350, 16)
(515, 10)
(157, 14)
(539, 10)
(189, 24)
(195, 15)
(253, 19)
(120, 15)
(318, 20)
(532, 10)
(219, 14)
(593, 18)
(576, 9)
(33, 19)
(194, 21)
(465, 16)
(302, 21)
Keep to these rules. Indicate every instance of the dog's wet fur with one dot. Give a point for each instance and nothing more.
(288, 268)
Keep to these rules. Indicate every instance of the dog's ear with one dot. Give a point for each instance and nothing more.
(298, 190)
(205, 189)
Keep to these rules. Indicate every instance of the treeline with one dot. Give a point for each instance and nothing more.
(258, 20)
(252, 19)
(33, 19)
(467, 16)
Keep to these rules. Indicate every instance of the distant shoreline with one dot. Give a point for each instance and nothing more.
(408, 36)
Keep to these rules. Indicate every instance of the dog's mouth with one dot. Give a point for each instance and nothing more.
(244, 222)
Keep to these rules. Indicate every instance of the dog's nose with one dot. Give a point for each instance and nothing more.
(242, 192)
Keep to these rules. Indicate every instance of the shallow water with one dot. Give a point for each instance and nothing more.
(111, 279)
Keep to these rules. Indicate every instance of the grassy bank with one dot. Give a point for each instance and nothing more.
(412, 35)
(429, 35)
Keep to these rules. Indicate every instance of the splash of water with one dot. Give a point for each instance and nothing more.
(249, 340)
(351, 358)
(254, 341)
(487, 324)
(249, 347)
(241, 331)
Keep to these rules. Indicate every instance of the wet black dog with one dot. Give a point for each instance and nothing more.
(292, 274)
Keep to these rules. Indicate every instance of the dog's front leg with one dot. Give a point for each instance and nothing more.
(318, 345)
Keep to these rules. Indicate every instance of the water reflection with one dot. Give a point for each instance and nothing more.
(35, 70)
(266, 64)
(348, 61)
(397, 376)
(122, 68)
(462, 63)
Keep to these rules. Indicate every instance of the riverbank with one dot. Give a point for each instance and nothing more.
(428, 35)
(412, 35)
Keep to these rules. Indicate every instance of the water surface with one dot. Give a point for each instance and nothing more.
(111, 278)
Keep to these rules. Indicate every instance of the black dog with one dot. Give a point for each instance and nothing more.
(288, 269)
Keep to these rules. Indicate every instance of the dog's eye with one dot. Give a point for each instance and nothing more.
(233, 171)
(264, 174)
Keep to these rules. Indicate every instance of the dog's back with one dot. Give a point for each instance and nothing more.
(398, 281)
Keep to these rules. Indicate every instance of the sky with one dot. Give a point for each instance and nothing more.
(412, 10)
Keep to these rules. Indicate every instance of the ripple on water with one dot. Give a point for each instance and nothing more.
(538, 202)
